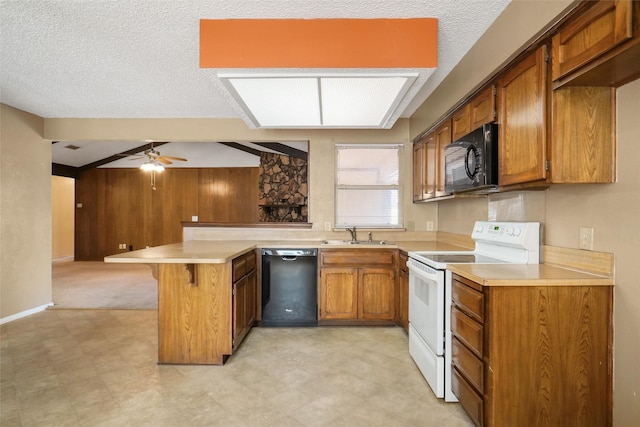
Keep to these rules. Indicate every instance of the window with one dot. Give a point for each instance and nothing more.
(367, 186)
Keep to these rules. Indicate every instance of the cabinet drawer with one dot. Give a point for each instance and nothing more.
(467, 330)
(358, 257)
(468, 364)
(469, 300)
(470, 400)
(243, 264)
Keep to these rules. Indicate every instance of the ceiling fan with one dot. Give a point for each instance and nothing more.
(154, 162)
(154, 158)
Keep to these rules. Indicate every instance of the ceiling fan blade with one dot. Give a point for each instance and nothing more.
(163, 160)
(136, 158)
(175, 158)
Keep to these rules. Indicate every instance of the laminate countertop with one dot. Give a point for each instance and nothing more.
(221, 251)
(527, 275)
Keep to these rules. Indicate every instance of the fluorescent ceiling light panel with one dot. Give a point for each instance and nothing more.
(360, 101)
(343, 100)
(274, 101)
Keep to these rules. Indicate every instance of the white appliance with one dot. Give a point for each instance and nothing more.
(430, 292)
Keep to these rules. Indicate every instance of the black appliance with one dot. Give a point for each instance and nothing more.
(471, 162)
(289, 287)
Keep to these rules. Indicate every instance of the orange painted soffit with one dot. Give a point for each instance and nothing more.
(319, 43)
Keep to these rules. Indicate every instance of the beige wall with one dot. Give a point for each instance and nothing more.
(62, 216)
(25, 213)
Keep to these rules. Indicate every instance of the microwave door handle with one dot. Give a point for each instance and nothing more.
(471, 153)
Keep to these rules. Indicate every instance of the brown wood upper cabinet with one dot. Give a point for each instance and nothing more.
(428, 162)
(584, 39)
(583, 142)
(522, 118)
(480, 110)
(418, 171)
(442, 137)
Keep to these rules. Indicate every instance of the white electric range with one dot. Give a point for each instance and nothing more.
(430, 292)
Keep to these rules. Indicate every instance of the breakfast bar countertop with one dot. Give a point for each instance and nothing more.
(221, 251)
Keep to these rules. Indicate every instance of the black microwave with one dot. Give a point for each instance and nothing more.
(471, 162)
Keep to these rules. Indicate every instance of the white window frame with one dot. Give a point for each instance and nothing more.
(398, 187)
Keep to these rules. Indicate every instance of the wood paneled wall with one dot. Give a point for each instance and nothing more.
(119, 205)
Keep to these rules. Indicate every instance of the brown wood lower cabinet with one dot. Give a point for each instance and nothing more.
(244, 296)
(403, 291)
(357, 285)
(205, 310)
(533, 355)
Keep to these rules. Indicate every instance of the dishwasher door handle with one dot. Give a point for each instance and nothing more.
(289, 258)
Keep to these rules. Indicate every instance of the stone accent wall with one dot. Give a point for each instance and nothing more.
(282, 189)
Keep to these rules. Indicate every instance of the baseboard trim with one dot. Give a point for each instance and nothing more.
(63, 259)
(24, 313)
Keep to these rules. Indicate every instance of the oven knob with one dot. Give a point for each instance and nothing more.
(510, 231)
(479, 229)
(517, 231)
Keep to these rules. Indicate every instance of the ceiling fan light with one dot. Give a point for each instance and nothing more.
(147, 166)
(158, 167)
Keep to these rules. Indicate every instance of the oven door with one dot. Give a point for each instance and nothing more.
(426, 304)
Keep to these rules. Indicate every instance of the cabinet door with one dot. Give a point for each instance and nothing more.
(482, 108)
(461, 122)
(338, 293)
(583, 144)
(403, 283)
(443, 138)
(602, 27)
(418, 171)
(430, 166)
(376, 296)
(522, 99)
(251, 304)
(240, 289)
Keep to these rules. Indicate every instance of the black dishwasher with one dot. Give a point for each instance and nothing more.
(289, 287)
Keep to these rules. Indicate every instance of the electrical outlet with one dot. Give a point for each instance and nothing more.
(586, 238)
(429, 225)
(411, 225)
(327, 226)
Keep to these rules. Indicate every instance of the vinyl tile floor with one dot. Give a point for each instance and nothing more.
(99, 368)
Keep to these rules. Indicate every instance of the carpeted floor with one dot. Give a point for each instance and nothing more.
(94, 284)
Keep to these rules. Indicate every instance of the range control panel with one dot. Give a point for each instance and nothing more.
(525, 235)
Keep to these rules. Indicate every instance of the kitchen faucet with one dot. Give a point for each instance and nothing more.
(353, 233)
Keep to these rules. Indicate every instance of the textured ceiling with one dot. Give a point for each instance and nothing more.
(140, 59)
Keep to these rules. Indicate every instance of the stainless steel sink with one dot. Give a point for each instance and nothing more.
(356, 242)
